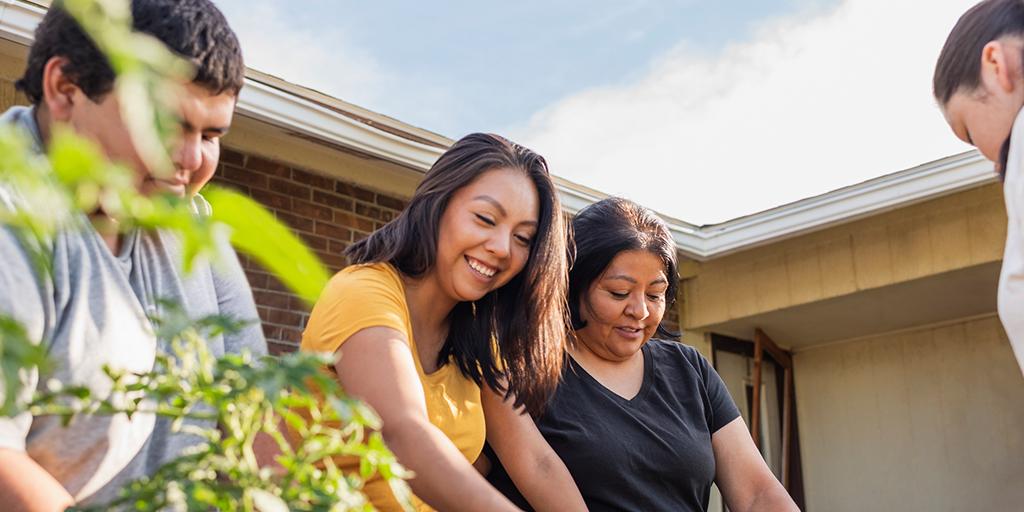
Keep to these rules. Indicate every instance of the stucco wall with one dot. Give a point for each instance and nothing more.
(925, 420)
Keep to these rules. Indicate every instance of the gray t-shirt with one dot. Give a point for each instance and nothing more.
(94, 313)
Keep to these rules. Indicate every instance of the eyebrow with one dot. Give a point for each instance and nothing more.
(219, 130)
(501, 209)
(623, 277)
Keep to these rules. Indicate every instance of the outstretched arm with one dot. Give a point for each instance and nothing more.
(376, 366)
(746, 482)
(534, 467)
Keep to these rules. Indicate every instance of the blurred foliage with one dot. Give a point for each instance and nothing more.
(244, 396)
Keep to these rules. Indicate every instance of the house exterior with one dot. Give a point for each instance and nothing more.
(879, 297)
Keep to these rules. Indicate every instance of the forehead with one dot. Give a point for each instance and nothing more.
(643, 266)
(510, 188)
(198, 104)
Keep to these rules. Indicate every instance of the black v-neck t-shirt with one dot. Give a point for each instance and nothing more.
(651, 452)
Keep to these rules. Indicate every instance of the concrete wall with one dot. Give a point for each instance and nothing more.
(924, 420)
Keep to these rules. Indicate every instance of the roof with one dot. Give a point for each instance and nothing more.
(304, 112)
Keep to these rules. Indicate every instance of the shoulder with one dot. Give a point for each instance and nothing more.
(675, 351)
(366, 277)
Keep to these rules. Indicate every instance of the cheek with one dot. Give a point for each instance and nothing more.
(207, 168)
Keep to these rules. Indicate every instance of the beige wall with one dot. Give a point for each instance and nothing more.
(949, 233)
(926, 420)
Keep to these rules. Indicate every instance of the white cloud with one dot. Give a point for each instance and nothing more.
(324, 60)
(806, 105)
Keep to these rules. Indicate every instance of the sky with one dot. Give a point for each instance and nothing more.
(702, 110)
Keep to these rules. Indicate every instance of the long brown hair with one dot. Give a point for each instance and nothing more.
(527, 318)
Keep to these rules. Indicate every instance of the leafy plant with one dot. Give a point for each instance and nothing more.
(246, 397)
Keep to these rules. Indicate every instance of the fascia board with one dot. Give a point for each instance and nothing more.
(928, 181)
(283, 109)
(18, 20)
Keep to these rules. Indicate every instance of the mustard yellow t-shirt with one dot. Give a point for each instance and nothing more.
(363, 296)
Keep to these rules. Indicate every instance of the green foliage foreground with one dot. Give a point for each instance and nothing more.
(245, 397)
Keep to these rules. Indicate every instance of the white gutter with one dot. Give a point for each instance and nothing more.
(298, 114)
(18, 20)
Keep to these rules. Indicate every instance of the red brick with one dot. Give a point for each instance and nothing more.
(312, 211)
(267, 166)
(333, 231)
(274, 284)
(292, 335)
(314, 242)
(264, 314)
(313, 180)
(387, 216)
(231, 157)
(278, 348)
(390, 202)
(289, 188)
(332, 200)
(297, 304)
(349, 220)
(270, 331)
(256, 278)
(295, 222)
(336, 246)
(353, 191)
(284, 317)
(335, 262)
(271, 299)
(271, 200)
(368, 211)
(243, 177)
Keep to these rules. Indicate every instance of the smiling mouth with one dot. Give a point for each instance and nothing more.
(480, 268)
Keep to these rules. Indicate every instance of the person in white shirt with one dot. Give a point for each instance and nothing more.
(979, 84)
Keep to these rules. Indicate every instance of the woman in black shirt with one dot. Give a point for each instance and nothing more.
(641, 423)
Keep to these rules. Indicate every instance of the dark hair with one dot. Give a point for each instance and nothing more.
(605, 229)
(527, 317)
(959, 63)
(194, 29)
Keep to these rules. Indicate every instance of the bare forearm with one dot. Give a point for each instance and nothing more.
(26, 487)
(772, 499)
(444, 479)
(550, 486)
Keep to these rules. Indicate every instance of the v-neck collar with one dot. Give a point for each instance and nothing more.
(645, 384)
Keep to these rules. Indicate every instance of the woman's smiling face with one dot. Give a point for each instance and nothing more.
(624, 305)
(486, 233)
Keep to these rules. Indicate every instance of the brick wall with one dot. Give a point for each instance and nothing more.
(327, 214)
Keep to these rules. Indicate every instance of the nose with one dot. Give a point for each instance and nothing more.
(499, 244)
(636, 307)
(188, 156)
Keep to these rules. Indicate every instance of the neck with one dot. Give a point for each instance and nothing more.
(44, 123)
(595, 364)
(429, 307)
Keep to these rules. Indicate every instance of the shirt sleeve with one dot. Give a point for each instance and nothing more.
(20, 301)
(234, 299)
(721, 407)
(355, 299)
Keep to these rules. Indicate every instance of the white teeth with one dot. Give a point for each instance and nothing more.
(489, 272)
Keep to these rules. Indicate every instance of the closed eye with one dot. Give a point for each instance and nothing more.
(618, 295)
(485, 219)
(525, 241)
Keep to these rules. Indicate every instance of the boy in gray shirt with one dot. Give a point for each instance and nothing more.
(94, 311)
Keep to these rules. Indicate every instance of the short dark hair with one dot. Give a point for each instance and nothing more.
(603, 230)
(959, 64)
(527, 317)
(194, 29)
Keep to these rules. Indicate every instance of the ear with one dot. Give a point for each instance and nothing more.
(59, 92)
(999, 67)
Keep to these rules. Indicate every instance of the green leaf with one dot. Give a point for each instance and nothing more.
(257, 233)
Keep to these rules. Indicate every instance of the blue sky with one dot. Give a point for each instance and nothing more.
(664, 92)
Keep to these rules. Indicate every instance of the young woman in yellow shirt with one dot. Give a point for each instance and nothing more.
(454, 306)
